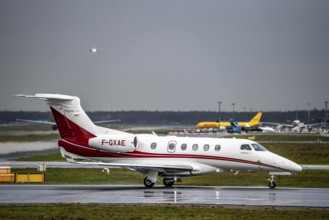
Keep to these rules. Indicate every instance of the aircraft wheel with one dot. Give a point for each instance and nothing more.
(168, 181)
(148, 183)
(272, 184)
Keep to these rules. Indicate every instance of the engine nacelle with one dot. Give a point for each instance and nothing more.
(118, 143)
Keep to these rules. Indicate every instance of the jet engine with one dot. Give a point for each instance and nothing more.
(118, 143)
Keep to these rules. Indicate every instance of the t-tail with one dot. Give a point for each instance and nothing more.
(256, 119)
(70, 118)
(80, 137)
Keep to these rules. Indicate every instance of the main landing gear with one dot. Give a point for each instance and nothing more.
(271, 183)
(148, 183)
(168, 182)
(150, 179)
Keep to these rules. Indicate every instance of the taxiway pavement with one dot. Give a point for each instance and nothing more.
(137, 194)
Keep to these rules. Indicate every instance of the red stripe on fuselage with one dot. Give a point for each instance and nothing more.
(83, 149)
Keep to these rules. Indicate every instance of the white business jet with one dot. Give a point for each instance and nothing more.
(170, 157)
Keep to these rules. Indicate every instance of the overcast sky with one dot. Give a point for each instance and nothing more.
(166, 55)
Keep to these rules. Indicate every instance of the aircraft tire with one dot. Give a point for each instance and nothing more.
(168, 181)
(148, 183)
(272, 184)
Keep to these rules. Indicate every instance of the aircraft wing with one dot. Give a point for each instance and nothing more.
(168, 167)
(106, 121)
(314, 124)
(150, 166)
(140, 167)
(37, 121)
(277, 124)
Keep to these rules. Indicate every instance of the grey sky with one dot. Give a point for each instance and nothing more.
(166, 55)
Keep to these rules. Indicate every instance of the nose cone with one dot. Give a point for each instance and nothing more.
(294, 167)
(285, 164)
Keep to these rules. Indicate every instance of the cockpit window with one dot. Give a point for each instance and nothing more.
(258, 147)
(245, 147)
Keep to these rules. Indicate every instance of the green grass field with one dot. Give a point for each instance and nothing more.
(29, 138)
(308, 178)
(136, 212)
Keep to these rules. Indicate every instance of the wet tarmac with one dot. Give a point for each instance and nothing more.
(138, 194)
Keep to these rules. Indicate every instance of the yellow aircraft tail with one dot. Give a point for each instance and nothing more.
(256, 119)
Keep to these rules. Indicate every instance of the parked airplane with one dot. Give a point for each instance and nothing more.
(254, 122)
(170, 157)
(295, 126)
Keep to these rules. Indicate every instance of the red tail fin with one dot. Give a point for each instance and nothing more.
(67, 128)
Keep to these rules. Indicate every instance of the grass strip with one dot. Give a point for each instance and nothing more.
(29, 138)
(101, 211)
(118, 176)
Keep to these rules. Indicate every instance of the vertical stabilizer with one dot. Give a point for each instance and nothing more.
(256, 119)
(70, 118)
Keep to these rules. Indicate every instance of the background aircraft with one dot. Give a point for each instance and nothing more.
(295, 126)
(94, 50)
(254, 122)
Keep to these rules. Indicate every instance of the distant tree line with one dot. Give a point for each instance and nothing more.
(173, 117)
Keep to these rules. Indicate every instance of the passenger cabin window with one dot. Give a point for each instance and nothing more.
(217, 147)
(171, 146)
(153, 146)
(206, 147)
(195, 147)
(258, 147)
(245, 147)
(183, 146)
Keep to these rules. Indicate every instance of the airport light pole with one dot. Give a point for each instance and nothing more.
(308, 115)
(219, 110)
(233, 104)
(325, 113)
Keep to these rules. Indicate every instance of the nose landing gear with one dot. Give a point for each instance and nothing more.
(271, 183)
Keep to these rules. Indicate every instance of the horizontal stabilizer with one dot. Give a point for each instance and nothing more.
(48, 97)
